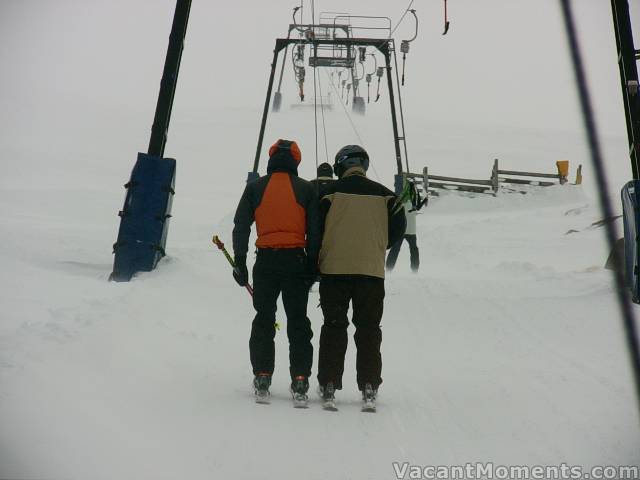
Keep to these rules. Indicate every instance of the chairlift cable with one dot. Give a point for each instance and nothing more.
(324, 125)
(401, 18)
(314, 45)
(355, 130)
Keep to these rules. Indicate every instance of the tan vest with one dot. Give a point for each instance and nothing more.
(355, 236)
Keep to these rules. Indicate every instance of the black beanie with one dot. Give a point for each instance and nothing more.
(325, 170)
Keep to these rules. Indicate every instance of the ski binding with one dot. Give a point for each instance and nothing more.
(263, 396)
(300, 400)
(329, 405)
(369, 406)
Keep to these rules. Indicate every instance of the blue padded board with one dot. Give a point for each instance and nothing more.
(631, 214)
(145, 217)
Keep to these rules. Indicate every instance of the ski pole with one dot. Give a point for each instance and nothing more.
(218, 243)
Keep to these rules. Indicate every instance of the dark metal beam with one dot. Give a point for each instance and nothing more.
(394, 120)
(382, 44)
(627, 57)
(169, 79)
(265, 112)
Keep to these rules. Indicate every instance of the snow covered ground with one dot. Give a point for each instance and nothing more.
(506, 347)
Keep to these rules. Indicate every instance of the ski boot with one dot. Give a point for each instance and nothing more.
(327, 394)
(261, 384)
(298, 389)
(369, 395)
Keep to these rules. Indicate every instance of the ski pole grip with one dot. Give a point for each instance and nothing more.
(218, 243)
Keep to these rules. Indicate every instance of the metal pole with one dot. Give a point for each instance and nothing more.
(169, 79)
(404, 131)
(628, 79)
(624, 303)
(284, 61)
(392, 102)
(265, 112)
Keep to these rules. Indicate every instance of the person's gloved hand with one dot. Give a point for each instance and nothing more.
(240, 272)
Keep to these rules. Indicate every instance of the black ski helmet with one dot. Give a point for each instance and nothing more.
(350, 156)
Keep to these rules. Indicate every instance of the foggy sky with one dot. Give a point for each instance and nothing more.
(503, 63)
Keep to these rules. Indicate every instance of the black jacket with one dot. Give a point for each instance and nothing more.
(322, 184)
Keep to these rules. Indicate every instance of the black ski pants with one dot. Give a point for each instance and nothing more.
(281, 271)
(414, 253)
(366, 294)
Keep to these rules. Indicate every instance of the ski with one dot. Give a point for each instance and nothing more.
(369, 406)
(261, 384)
(300, 400)
(263, 397)
(369, 395)
(298, 389)
(329, 405)
(327, 395)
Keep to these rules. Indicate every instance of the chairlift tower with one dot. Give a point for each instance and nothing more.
(333, 43)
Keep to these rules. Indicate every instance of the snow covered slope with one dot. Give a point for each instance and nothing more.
(506, 347)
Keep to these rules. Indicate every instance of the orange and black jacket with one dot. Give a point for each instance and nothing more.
(284, 207)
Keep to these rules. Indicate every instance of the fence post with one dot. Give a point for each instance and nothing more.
(425, 180)
(563, 170)
(579, 175)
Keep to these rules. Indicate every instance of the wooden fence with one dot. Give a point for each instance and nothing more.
(431, 183)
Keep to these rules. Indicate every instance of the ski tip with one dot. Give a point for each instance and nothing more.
(368, 409)
(330, 407)
(302, 402)
(263, 399)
